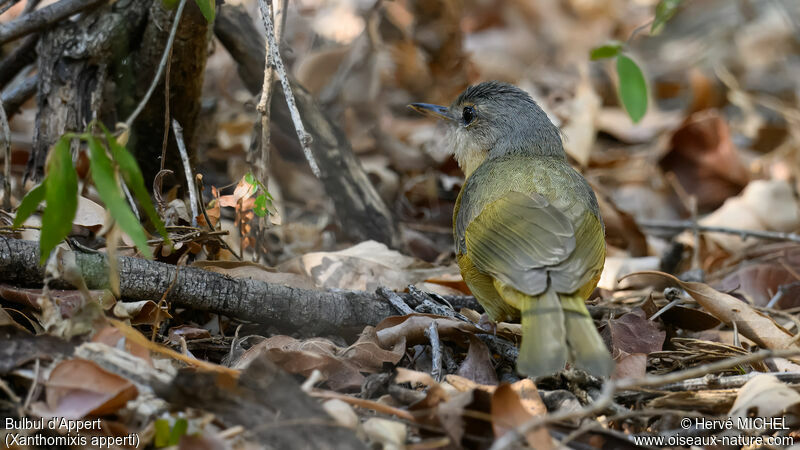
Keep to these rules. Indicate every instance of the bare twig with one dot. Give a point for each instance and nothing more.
(14, 98)
(42, 18)
(688, 225)
(611, 387)
(23, 55)
(395, 300)
(187, 170)
(5, 135)
(161, 66)
(275, 55)
(432, 333)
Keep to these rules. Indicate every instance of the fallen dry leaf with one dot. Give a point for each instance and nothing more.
(78, 387)
(510, 411)
(764, 396)
(752, 324)
(477, 365)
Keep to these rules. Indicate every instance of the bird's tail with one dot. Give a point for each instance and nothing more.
(544, 349)
(552, 323)
(587, 349)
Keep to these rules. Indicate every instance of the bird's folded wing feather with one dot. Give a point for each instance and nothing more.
(518, 239)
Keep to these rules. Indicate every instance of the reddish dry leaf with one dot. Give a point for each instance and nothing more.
(78, 387)
(113, 337)
(752, 324)
(630, 365)
(143, 312)
(633, 333)
(760, 282)
(367, 354)
(188, 333)
(68, 300)
(477, 366)
(621, 229)
(509, 412)
(705, 161)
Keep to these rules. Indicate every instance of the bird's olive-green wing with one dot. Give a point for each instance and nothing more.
(517, 239)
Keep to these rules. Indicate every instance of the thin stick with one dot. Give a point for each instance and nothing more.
(606, 397)
(688, 225)
(161, 66)
(5, 134)
(395, 300)
(305, 138)
(42, 18)
(432, 333)
(187, 170)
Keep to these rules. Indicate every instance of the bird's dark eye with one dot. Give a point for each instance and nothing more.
(468, 115)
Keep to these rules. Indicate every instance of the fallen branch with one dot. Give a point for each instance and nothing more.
(310, 312)
(690, 225)
(42, 18)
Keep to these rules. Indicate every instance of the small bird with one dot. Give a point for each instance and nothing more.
(529, 239)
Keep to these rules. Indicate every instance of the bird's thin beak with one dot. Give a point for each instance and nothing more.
(428, 109)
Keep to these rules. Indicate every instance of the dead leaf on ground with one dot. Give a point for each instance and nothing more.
(760, 282)
(631, 338)
(764, 205)
(255, 271)
(477, 365)
(78, 387)
(341, 367)
(411, 328)
(754, 325)
(365, 267)
(510, 410)
(705, 160)
(764, 396)
(143, 312)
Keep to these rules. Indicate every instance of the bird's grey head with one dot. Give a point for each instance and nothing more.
(493, 119)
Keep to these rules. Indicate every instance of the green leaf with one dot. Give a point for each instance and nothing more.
(107, 187)
(208, 8)
(61, 195)
(29, 203)
(608, 50)
(250, 178)
(135, 181)
(162, 433)
(664, 11)
(178, 430)
(169, 4)
(632, 88)
(260, 206)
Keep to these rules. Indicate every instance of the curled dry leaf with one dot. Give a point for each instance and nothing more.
(631, 338)
(477, 366)
(341, 367)
(78, 387)
(411, 328)
(142, 312)
(513, 405)
(752, 324)
(365, 267)
(705, 161)
(764, 396)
